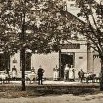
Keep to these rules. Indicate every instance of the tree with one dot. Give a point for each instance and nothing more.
(92, 11)
(39, 25)
(32, 24)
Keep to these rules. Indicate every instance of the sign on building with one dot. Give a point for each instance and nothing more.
(71, 46)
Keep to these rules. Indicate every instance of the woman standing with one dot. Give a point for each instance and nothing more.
(66, 72)
(14, 73)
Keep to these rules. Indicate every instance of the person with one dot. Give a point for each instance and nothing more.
(14, 72)
(81, 75)
(66, 72)
(55, 73)
(33, 73)
(40, 75)
(31, 76)
(71, 74)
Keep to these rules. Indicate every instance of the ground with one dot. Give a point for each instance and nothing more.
(11, 93)
(66, 98)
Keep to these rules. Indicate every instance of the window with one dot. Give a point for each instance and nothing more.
(80, 57)
(72, 5)
(4, 62)
(28, 61)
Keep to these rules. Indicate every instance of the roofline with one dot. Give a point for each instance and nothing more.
(68, 13)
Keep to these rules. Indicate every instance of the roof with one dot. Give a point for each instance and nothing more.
(71, 16)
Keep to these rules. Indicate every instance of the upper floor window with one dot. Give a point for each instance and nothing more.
(72, 5)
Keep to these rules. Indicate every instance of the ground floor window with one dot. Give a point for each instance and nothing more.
(28, 61)
(4, 62)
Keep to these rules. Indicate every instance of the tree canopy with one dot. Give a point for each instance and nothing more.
(46, 24)
(39, 25)
(92, 11)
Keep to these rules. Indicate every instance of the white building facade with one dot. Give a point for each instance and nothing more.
(76, 55)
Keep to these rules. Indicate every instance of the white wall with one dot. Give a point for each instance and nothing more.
(47, 61)
(80, 63)
(97, 66)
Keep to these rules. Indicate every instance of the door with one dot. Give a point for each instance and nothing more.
(66, 58)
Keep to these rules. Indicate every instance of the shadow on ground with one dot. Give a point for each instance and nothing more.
(14, 91)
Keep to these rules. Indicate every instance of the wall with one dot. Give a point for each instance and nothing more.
(97, 66)
(48, 62)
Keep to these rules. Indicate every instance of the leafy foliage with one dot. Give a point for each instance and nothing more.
(45, 24)
(92, 11)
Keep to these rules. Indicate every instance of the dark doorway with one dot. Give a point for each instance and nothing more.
(66, 59)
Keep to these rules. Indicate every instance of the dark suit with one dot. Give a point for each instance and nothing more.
(40, 75)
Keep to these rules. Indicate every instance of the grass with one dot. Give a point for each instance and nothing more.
(14, 91)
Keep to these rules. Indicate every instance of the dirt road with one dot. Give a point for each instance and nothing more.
(67, 98)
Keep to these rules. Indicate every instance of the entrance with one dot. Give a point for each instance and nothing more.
(66, 58)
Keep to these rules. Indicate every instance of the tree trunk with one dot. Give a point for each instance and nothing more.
(59, 64)
(101, 75)
(23, 68)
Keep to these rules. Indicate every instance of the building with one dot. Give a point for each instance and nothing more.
(77, 54)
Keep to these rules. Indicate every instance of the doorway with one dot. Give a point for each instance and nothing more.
(66, 58)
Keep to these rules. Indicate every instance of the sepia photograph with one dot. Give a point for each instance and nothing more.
(51, 51)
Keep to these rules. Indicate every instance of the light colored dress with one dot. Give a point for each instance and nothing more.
(66, 73)
(14, 73)
(55, 74)
(71, 74)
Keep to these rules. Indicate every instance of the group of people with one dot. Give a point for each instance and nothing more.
(39, 74)
(69, 73)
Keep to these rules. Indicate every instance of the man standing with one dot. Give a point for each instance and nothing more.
(81, 75)
(40, 75)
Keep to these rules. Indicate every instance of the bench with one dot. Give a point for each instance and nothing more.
(89, 77)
